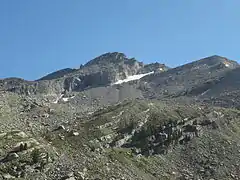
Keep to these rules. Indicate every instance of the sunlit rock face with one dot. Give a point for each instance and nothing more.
(104, 70)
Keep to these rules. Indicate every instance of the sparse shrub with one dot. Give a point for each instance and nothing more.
(35, 156)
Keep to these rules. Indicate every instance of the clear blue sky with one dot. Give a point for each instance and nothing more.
(41, 36)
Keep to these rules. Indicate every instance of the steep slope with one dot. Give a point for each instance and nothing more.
(58, 74)
(225, 92)
(129, 140)
(191, 80)
(184, 79)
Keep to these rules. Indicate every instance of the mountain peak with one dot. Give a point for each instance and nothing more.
(215, 56)
(212, 61)
(110, 57)
(220, 60)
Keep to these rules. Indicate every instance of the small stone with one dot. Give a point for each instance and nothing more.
(81, 175)
(202, 170)
(21, 134)
(61, 137)
(35, 116)
(71, 174)
(2, 135)
(75, 133)
(229, 142)
(8, 176)
(9, 137)
(45, 115)
(71, 178)
(61, 127)
(84, 169)
(139, 156)
(12, 156)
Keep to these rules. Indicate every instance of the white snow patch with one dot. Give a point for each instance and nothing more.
(67, 99)
(64, 99)
(132, 78)
(227, 65)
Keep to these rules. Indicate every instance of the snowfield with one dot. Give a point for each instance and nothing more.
(132, 78)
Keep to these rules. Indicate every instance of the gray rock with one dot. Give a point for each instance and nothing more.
(11, 156)
(74, 133)
(21, 135)
(71, 178)
(61, 127)
(8, 176)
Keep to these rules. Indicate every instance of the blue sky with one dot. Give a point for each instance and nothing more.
(41, 36)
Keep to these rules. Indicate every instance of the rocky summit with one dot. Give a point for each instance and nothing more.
(116, 118)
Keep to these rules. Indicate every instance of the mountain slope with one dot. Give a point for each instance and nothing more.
(101, 71)
(181, 80)
(101, 144)
(226, 91)
(117, 118)
(58, 74)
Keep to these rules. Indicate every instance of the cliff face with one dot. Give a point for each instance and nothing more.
(101, 71)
